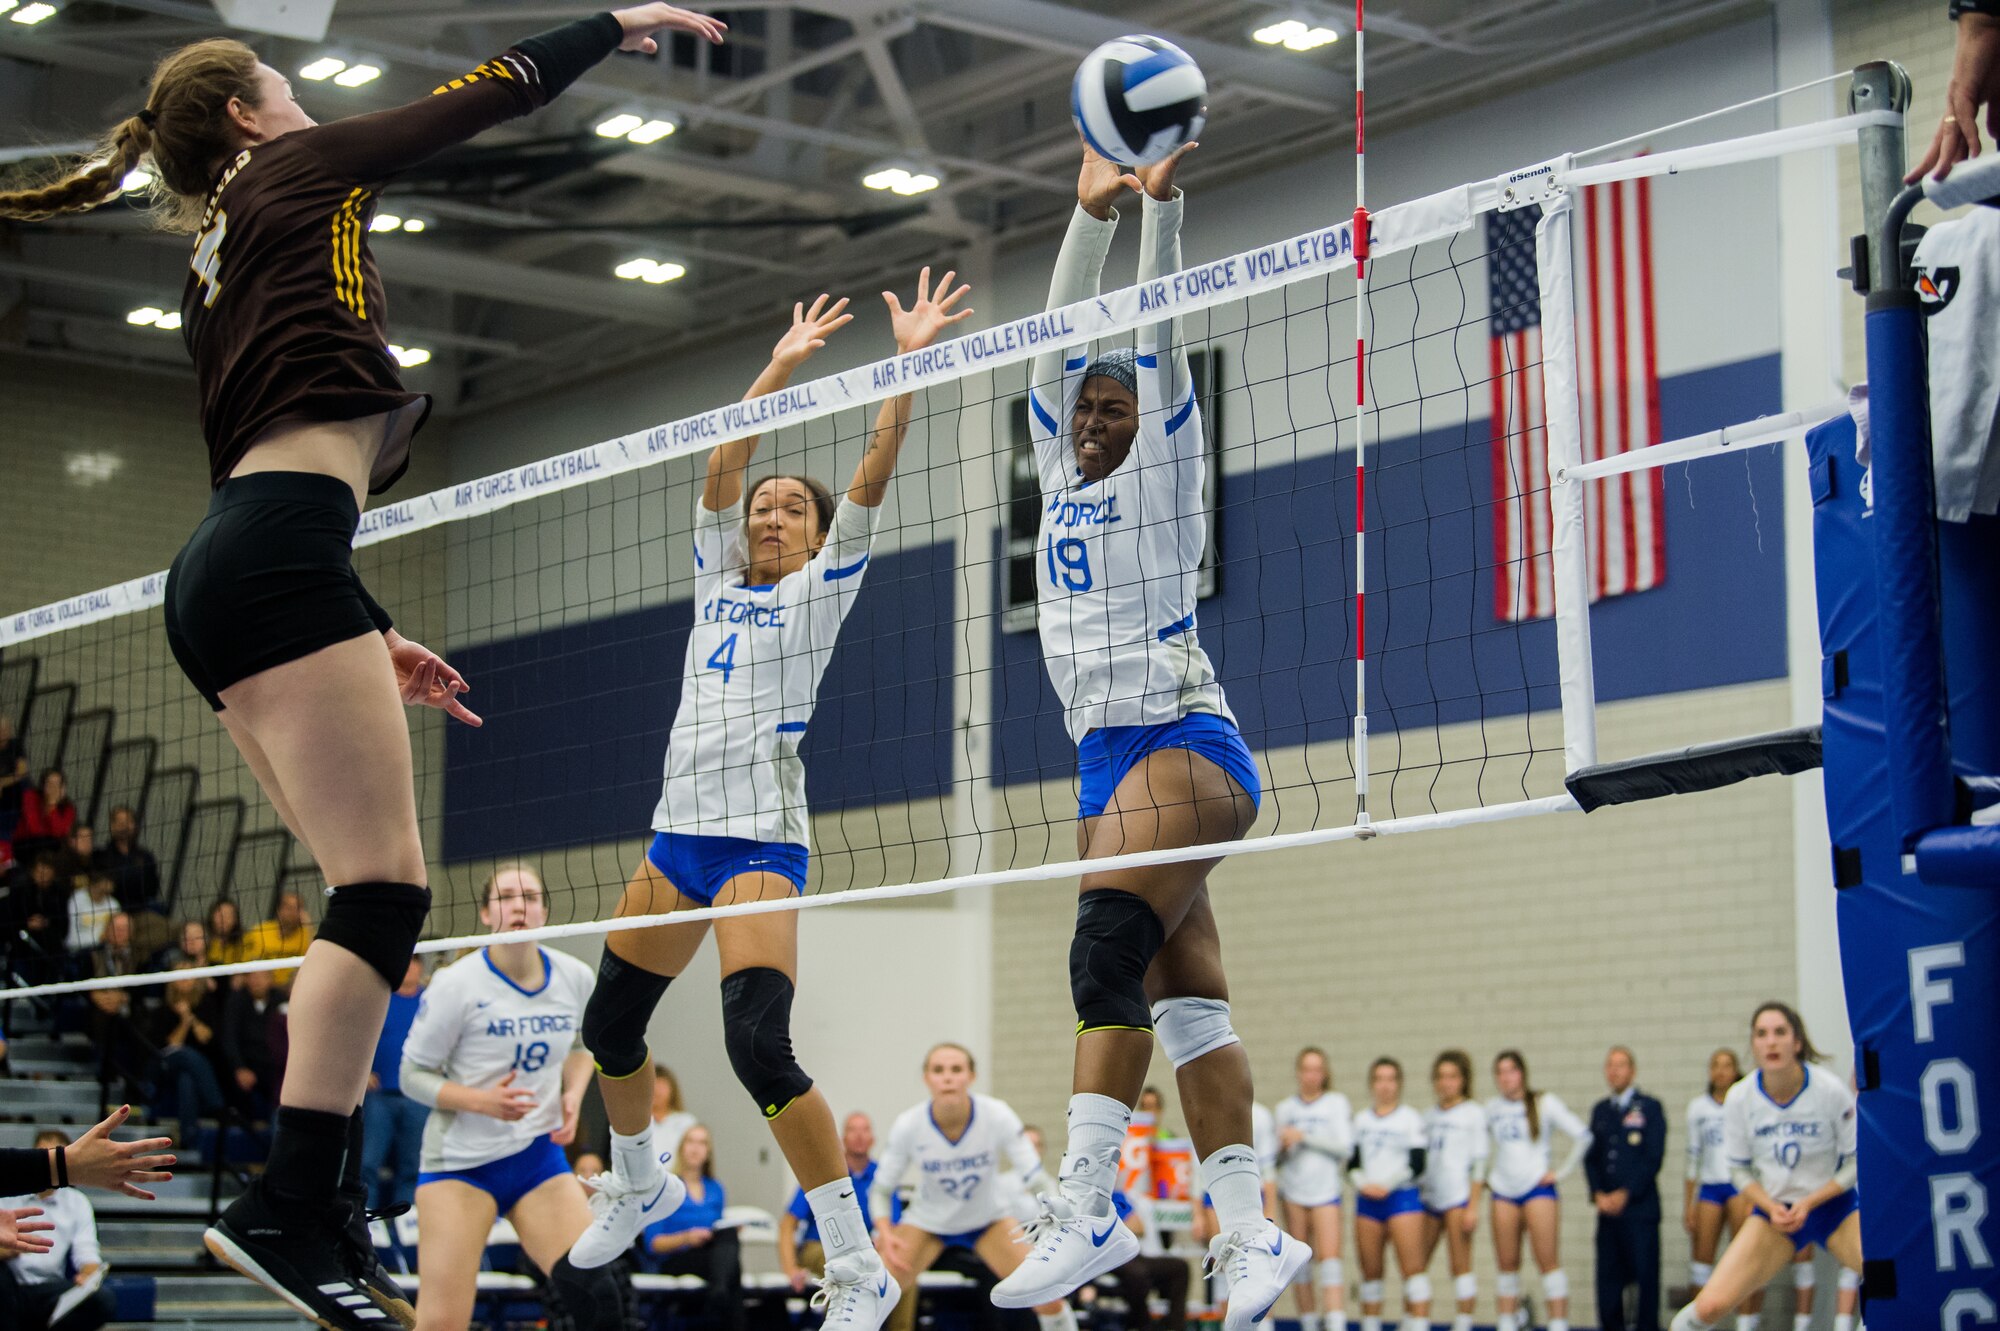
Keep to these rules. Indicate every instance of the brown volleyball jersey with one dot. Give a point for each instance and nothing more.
(284, 311)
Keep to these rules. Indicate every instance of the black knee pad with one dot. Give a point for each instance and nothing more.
(592, 1300)
(1117, 937)
(615, 1018)
(757, 1031)
(379, 923)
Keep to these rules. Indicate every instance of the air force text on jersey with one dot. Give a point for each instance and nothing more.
(531, 1023)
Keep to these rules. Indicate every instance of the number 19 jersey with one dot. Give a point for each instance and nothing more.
(754, 661)
(474, 1026)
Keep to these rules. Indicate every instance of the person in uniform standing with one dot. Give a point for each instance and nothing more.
(1628, 1142)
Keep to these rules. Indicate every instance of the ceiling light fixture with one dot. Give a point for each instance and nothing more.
(152, 316)
(636, 128)
(386, 222)
(652, 131)
(356, 75)
(414, 225)
(1296, 35)
(619, 126)
(900, 180)
(6, 5)
(653, 271)
(323, 68)
(33, 14)
(409, 357)
(135, 179)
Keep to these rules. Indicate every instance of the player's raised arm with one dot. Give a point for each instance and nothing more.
(916, 328)
(808, 333)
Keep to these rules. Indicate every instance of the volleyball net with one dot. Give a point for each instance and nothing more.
(1516, 436)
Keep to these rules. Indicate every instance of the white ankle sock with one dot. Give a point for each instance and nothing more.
(634, 1159)
(1062, 1321)
(1371, 1322)
(1097, 1126)
(1308, 1322)
(837, 1211)
(1234, 1183)
(1462, 1322)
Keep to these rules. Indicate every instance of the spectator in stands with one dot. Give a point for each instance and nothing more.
(286, 934)
(226, 942)
(78, 861)
(13, 777)
(670, 1117)
(800, 1254)
(184, 1031)
(91, 907)
(189, 948)
(392, 1123)
(38, 921)
(135, 874)
(32, 1283)
(250, 1042)
(48, 815)
(115, 1012)
(693, 1240)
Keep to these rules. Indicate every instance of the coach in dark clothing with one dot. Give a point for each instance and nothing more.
(1627, 1143)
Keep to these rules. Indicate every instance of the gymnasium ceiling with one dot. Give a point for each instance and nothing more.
(758, 194)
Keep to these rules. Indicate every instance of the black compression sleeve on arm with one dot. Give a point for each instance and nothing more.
(561, 55)
(23, 1170)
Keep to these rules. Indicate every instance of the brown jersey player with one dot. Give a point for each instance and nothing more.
(305, 415)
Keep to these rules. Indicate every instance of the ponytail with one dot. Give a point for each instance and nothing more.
(185, 130)
(93, 181)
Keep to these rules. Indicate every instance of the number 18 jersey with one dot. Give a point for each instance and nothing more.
(754, 661)
(474, 1026)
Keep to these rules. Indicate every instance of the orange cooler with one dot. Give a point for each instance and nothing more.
(1173, 1169)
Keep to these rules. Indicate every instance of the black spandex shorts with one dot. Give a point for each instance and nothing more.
(268, 577)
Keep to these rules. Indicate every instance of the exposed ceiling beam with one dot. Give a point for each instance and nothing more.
(1056, 27)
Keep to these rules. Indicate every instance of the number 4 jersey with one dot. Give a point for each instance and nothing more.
(474, 1026)
(1794, 1147)
(1117, 559)
(754, 661)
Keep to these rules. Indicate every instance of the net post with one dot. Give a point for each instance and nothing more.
(1881, 85)
(1568, 543)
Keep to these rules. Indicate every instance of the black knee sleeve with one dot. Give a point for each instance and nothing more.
(592, 1300)
(379, 923)
(615, 1018)
(757, 1031)
(1117, 937)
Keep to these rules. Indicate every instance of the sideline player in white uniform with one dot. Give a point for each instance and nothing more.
(973, 1162)
(771, 589)
(1524, 1123)
(1315, 1141)
(491, 1051)
(1790, 1135)
(1390, 1151)
(1710, 1200)
(1453, 1175)
(1119, 448)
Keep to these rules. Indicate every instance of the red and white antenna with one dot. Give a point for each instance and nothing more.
(1361, 330)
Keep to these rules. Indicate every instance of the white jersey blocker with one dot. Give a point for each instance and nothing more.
(1458, 1152)
(1519, 1161)
(754, 662)
(1117, 560)
(1309, 1174)
(1707, 1161)
(1384, 1142)
(1794, 1148)
(473, 1026)
(960, 1185)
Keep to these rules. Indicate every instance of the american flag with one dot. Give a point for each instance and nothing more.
(1619, 386)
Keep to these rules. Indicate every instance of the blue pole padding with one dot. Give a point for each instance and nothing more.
(1904, 535)
(1960, 857)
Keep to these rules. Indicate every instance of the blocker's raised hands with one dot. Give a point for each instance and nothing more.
(642, 21)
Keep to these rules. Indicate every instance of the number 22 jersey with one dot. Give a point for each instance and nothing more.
(474, 1026)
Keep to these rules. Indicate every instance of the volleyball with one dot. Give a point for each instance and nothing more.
(1136, 99)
